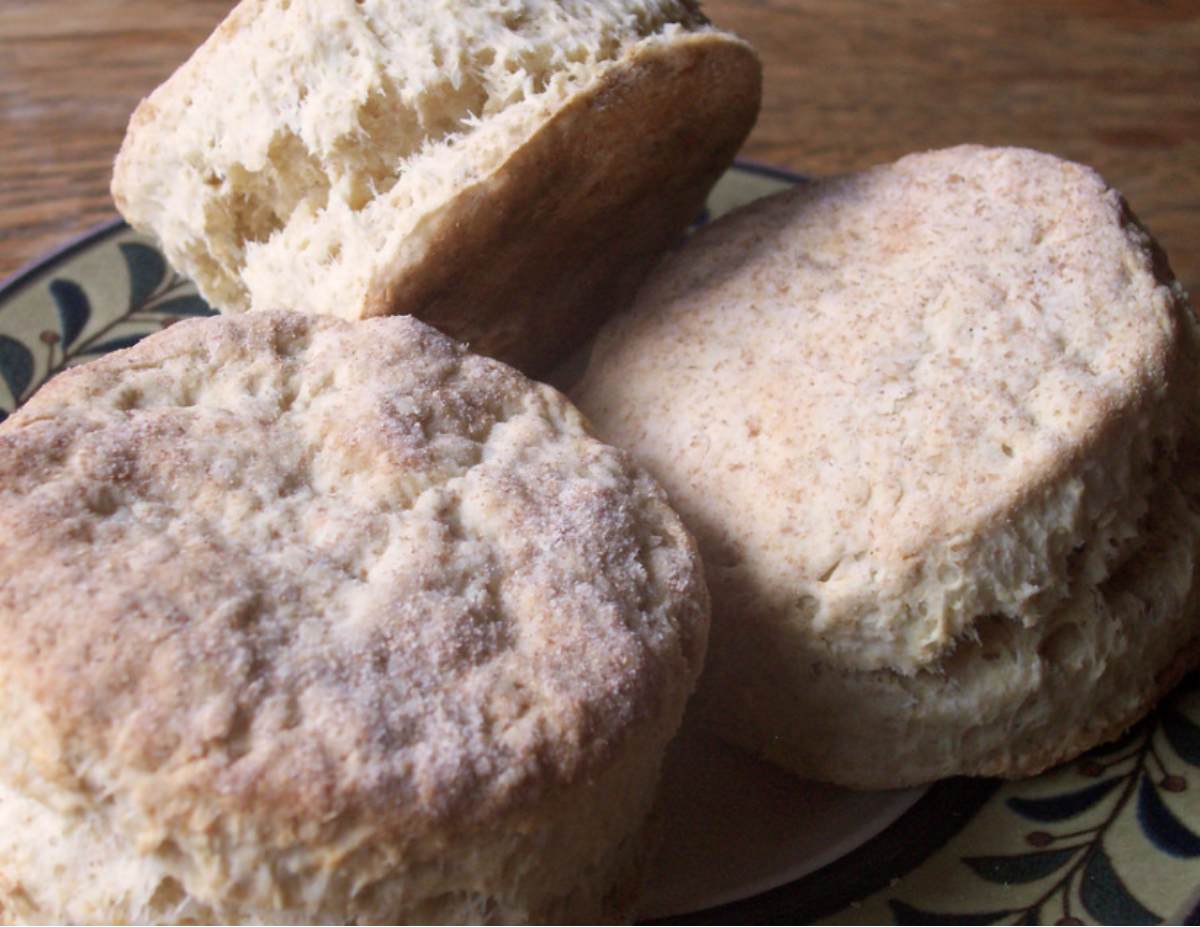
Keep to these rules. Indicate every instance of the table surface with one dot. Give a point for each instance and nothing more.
(1114, 83)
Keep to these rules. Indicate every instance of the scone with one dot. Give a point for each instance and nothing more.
(305, 620)
(506, 170)
(931, 424)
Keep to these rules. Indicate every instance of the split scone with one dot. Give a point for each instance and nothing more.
(305, 620)
(931, 424)
(506, 170)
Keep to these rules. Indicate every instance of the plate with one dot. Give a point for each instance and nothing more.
(1111, 838)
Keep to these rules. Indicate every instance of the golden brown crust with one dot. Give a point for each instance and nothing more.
(563, 233)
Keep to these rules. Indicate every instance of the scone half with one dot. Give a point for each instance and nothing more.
(506, 171)
(305, 621)
(928, 422)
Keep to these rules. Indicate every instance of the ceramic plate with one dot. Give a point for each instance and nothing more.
(1112, 838)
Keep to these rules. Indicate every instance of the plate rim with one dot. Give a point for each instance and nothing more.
(28, 272)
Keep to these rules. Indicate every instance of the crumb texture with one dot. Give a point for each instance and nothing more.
(297, 609)
(289, 131)
(365, 158)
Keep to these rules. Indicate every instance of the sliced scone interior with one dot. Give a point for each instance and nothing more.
(342, 157)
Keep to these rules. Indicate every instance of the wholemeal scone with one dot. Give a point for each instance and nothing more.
(927, 422)
(306, 620)
(506, 170)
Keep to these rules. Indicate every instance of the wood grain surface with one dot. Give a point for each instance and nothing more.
(1114, 83)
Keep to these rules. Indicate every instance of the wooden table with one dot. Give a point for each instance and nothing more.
(1115, 83)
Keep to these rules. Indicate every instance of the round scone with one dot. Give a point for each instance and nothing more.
(304, 620)
(506, 170)
(926, 422)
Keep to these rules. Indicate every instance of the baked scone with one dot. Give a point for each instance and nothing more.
(927, 422)
(506, 170)
(306, 620)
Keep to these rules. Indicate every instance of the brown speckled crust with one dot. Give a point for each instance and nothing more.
(919, 418)
(294, 607)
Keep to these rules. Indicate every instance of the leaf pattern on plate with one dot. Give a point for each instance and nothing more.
(147, 270)
(16, 367)
(183, 305)
(1105, 897)
(1026, 867)
(1063, 807)
(1161, 826)
(1072, 872)
(907, 914)
(74, 309)
(80, 330)
(113, 344)
(1182, 735)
